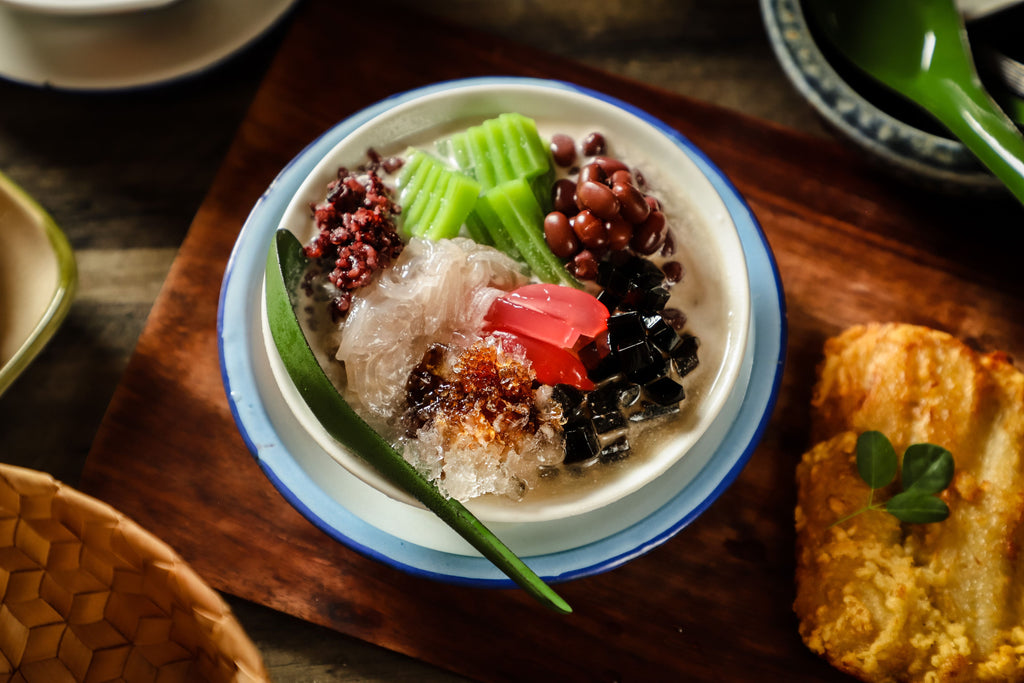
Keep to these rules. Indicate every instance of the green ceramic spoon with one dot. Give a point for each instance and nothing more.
(286, 264)
(919, 49)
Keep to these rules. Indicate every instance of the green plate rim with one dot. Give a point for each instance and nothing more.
(63, 294)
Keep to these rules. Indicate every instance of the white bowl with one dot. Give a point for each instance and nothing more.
(715, 293)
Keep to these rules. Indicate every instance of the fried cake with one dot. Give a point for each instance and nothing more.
(887, 601)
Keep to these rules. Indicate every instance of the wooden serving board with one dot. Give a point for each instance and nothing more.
(714, 602)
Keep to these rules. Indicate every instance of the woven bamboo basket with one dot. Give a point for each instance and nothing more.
(90, 596)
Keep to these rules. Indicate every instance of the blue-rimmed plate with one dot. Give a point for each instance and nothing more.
(362, 517)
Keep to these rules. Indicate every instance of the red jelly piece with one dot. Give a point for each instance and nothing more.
(505, 314)
(551, 364)
(576, 307)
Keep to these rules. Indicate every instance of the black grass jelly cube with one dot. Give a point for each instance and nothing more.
(581, 442)
(661, 334)
(664, 391)
(684, 357)
(615, 451)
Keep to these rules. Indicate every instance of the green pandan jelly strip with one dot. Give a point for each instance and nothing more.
(412, 164)
(480, 153)
(459, 198)
(499, 149)
(409, 180)
(432, 206)
(456, 149)
(435, 199)
(512, 145)
(485, 215)
(512, 213)
(537, 165)
(477, 230)
(536, 159)
(415, 205)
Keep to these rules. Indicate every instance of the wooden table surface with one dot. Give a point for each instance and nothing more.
(124, 174)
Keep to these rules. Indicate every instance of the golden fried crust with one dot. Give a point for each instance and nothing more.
(933, 602)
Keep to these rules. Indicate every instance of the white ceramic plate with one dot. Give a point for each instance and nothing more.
(410, 538)
(126, 50)
(37, 280)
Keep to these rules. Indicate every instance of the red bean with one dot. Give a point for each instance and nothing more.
(594, 144)
(621, 176)
(592, 172)
(590, 230)
(673, 271)
(619, 234)
(675, 318)
(650, 234)
(563, 149)
(669, 247)
(563, 197)
(652, 202)
(633, 207)
(610, 165)
(597, 197)
(559, 235)
(392, 164)
(584, 265)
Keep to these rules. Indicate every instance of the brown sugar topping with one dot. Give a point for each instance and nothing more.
(484, 390)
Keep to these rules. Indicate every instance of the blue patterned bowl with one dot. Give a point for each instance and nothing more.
(903, 139)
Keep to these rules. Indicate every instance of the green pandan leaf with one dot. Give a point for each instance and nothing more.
(286, 264)
(917, 508)
(876, 459)
(927, 468)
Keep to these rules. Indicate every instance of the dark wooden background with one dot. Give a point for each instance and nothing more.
(125, 175)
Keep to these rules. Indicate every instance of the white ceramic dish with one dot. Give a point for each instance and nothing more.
(403, 536)
(115, 51)
(715, 293)
(85, 7)
(37, 280)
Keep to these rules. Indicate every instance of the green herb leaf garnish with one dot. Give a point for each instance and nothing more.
(286, 264)
(876, 459)
(917, 508)
(927, 471)
(927, 468)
